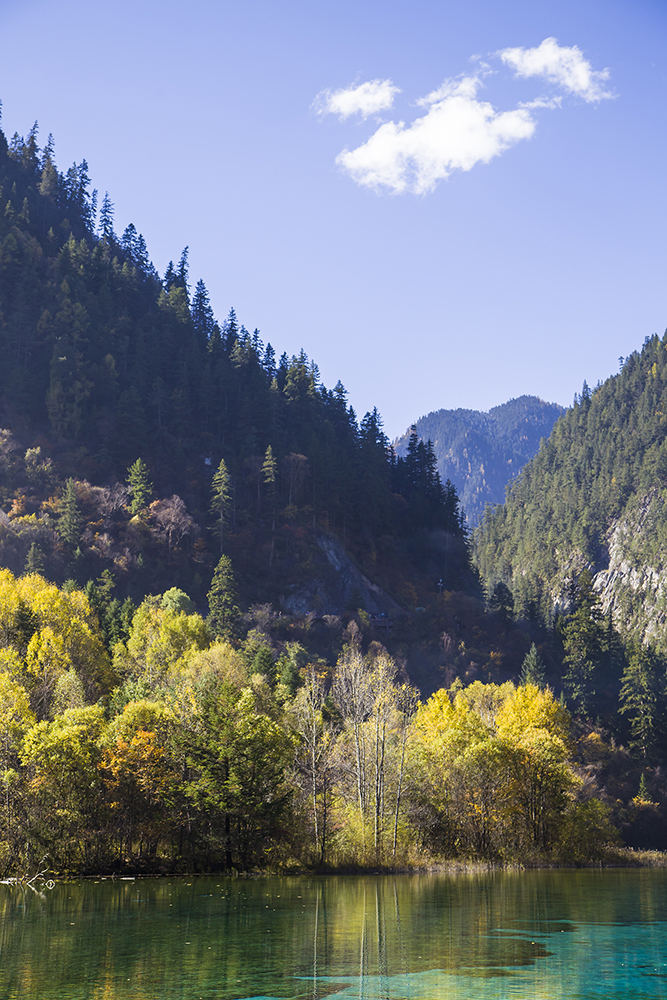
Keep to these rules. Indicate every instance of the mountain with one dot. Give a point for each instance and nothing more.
(482, 452)
(106, 365)
(594, 498)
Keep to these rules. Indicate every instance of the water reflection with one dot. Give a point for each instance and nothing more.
(534, 934)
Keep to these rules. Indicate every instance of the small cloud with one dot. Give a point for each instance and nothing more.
(464, 86)
(457, 132)
(366, 99)
(543, 102)
(566, 67)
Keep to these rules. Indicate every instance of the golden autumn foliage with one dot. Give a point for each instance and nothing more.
(160, 638)
(45, 632)
(191, 759)
(498, 764)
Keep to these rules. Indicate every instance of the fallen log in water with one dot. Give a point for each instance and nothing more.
(25, 880)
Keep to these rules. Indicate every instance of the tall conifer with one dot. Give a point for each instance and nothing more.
(141, 488)
(69, 525)
(221, 491)
(223, 600)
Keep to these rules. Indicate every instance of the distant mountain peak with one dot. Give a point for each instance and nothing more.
(483, 451)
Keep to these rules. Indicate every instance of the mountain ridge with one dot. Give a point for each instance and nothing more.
(482, 451)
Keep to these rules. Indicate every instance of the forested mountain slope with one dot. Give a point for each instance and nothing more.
(595, 497)
(106, 363)
(482, 452)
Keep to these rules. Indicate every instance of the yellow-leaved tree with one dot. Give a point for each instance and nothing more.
(534, 729)
(497, 768)
(140, 778)
(159, 639)
(67, 802)
(46, 632)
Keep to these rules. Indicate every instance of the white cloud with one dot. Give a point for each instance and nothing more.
(563, 66)
(456, 133)
(366, 99)
(542, 102)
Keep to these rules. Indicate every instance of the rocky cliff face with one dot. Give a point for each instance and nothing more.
(633, 585)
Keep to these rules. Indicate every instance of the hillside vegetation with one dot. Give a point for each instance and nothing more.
(106, 364)
(191, 759)
(593, 498)
(581, 545)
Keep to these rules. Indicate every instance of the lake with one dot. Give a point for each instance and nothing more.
(545, 934)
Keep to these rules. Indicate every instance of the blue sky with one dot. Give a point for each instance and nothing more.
(507, 238)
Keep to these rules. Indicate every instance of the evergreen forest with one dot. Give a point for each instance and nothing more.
(106, 363)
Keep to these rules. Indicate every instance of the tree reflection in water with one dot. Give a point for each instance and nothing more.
(597, 934)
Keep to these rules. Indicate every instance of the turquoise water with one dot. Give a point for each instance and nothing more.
(552, 935)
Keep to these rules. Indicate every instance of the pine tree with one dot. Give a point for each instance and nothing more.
(48, 184)
(501, 603)
(170, 277)
(34, 562)
(220, 498)
(126, 616)
(106, 219)
(83, 200)
(182, 272)
(128, 241)
(141, 488)
(281, 371)
(111, 624)
(583, 635)
(203, 320)
(412, 461)
(290, 666)
(230, 331)
(269, 361)
(642, 698)
(643, 793)
(142, 260)
(263, 663)
(69, 525)
(223, 600)
(453, 517)
(532, 668)
(29, 156)
(269, 470)
(24, 624)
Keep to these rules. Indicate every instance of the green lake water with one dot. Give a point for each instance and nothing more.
(549, 934)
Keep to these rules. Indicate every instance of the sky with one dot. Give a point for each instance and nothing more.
(444, 204)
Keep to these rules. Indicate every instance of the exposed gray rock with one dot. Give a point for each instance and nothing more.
(335, 584)
(633, 590)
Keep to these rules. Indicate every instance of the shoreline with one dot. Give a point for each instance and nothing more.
(627, 858)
